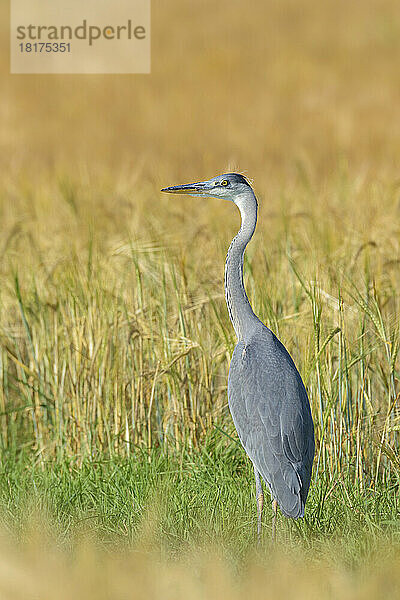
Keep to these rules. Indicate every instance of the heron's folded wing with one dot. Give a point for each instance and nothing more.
(269, 407)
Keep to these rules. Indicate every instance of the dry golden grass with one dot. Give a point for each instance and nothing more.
(40, 570)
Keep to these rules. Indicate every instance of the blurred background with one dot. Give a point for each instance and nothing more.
(115, 338)
(262, 86)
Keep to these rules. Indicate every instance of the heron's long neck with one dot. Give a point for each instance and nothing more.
(240, 312)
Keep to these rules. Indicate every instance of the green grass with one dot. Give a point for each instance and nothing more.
(202, 498)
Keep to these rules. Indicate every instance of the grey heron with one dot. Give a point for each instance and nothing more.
(266, 395)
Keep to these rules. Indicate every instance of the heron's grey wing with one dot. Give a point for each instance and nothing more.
(271, 412)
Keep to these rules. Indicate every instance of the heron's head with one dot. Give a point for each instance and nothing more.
(230, 186)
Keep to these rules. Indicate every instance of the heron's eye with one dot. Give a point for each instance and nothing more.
(225, 182)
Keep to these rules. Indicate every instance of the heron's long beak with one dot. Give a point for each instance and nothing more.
(198, 189)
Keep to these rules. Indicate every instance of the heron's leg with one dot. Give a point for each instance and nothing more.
(260, 502)
(275, 509)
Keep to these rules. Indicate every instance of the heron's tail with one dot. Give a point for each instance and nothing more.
(295, 510)
(289, 492)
